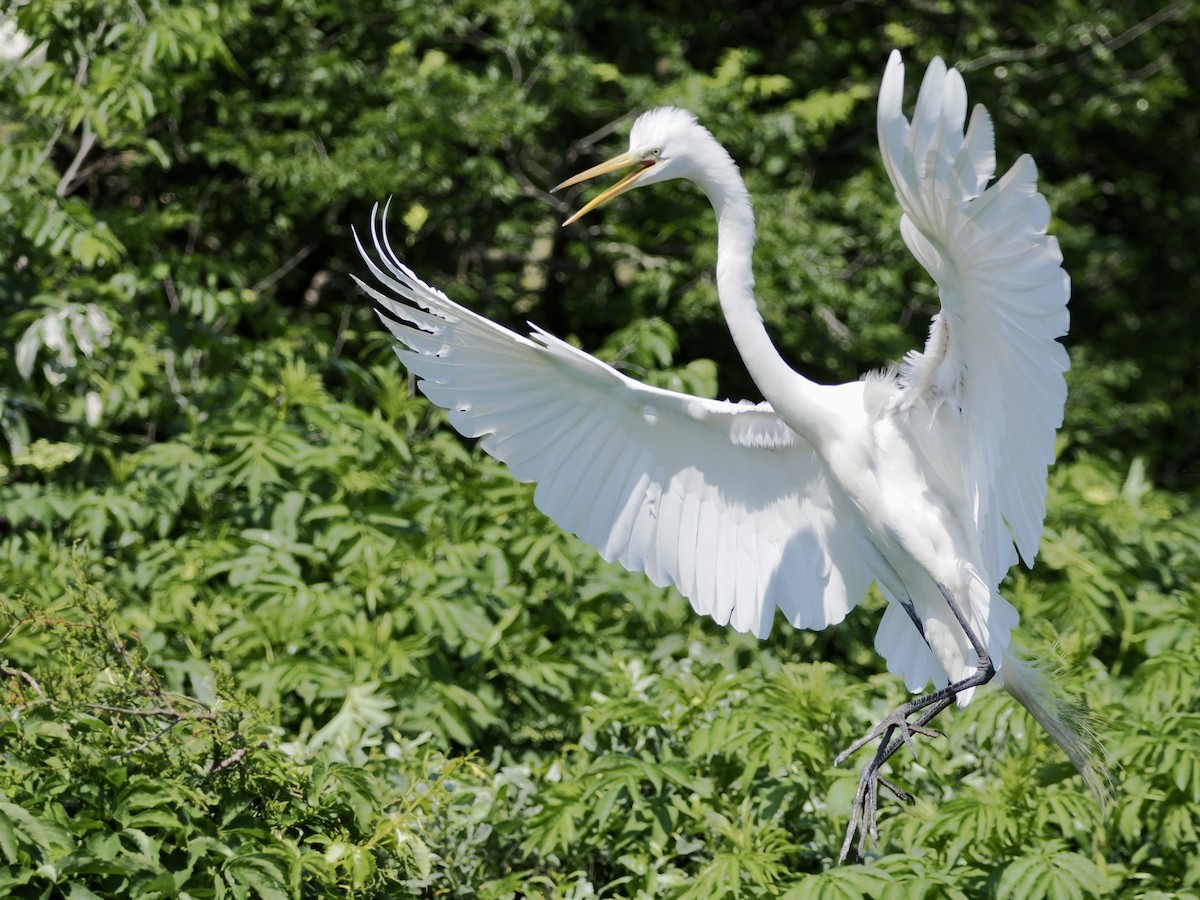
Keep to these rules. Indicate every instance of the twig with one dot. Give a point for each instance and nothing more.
(530, 189)
(173, 381)
(80, 77)
(86, 141)
(1174, 11)
(194, 224)
(231, 760)
(12, 629)
(835, 325)
(584, 144)
(24, 676)
(143, 744)
(1003, 56)
(172, 294)
(158, 712)
(284, 269)
(341, 333)
(1166, 14)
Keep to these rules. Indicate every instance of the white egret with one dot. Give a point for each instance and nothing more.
(928, 479)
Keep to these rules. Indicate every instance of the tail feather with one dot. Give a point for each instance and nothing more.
(1066, 723)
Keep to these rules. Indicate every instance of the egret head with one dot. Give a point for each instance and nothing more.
(665, 143)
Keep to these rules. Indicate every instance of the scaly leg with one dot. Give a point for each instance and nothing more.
(866, 798)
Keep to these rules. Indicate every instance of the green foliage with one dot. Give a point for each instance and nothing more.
(269, 629)
(113, 781)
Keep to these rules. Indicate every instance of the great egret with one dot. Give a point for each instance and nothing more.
(928, 479)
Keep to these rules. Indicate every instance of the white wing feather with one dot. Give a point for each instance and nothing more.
(720, 499)
(993, 351)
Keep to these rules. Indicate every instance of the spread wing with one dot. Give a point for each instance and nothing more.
(720, 499)
(993, 350)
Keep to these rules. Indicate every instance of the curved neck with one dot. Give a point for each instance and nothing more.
(801, 403)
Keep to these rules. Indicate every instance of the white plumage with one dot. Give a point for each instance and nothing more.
(928, 481)
(720, 499)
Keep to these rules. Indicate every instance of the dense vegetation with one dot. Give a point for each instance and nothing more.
(269, 629)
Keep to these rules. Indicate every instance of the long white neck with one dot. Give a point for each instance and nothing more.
(802, 404)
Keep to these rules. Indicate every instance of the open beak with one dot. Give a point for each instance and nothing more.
(624, 161)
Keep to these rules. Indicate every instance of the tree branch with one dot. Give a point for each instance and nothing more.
(24, 676)
(158, 712)
(86, 141)
(296, 259)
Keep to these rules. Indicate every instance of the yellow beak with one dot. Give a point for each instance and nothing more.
(624, 161)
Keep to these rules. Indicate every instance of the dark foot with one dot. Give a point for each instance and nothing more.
(897, 721)
(863, 812)
(865, 808)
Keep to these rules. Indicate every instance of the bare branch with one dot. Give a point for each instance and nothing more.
(296, 259)
(341, 333)
(835, 325)
(231, 760)
(143, 744)
(172, 295)
(80, 77)
(173, 381)
(24, 676)
(87, 140)
(1166, 14)
(162, 712)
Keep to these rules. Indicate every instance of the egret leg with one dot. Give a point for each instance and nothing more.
(866, 798)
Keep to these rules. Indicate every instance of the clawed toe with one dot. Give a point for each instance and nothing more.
(864, 811)
(897, 721)
(899, 793)
(866, 798)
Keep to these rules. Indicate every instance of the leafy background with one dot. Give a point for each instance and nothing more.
(269, 629)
